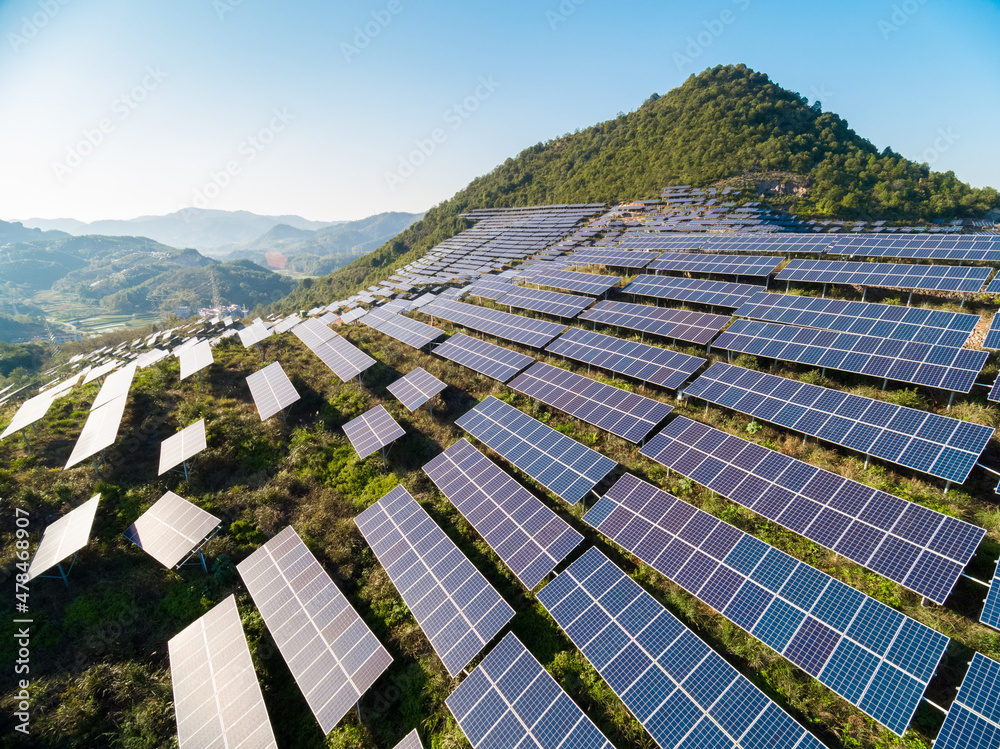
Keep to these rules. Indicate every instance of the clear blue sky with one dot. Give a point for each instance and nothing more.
(922, 76)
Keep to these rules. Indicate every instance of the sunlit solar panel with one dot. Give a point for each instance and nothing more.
(172, 530)
(272, 391)
(64, 537)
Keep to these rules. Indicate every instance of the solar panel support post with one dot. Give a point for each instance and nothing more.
(864, 291)
(824, 292)
(63, 574)
(909, 299)
(24, 436)
(951, 398)
(947, 486)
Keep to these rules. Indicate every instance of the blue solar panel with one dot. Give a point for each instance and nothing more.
(943, 367)
(613, 257)
(779, 600)
(892, 321)
(525, 534)
(585, 283)
(991, 611)
(964, 247)
(918, 548)
(484, 357)
(992, 340)
(458, 610)
(681, 691)
(618, 411)
(683, 325)
(887, 275)
(546, 302)
(938, 445)
(659, 366)
(734, 265)
(694, 290)
(973, 720)
(524, 330)
(562, 465)
(509, 700)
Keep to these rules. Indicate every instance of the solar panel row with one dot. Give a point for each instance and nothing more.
(694, 290)
(271, 390)
(546, 302)
(481, 356)
(887, 275)
(372, 430)
(516, 328)
(566, 280)
(973, 720)
(734, 265)
(991, 610)
(403, 329)
(683, 325)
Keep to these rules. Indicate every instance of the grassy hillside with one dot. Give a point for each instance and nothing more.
(727, 121)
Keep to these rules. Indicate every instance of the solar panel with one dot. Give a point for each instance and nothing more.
(115, 385)
(64, 537)
(662, 367)
(99, 431)
(681, 691)
(411, 332)
(509, 700)
(287, 324)
(991, 611)
(372, 430)
(486, 358)
(410, 741)
(627, 415)
(271, 390)
(458, 610)
(938, 445)
(567, 280)
(172, 530)
(860, 648)
(993, 287)
(887, 275)
(733, 265)
(529, 537)
(943, 367)
(976, 247)
(150, 358)
(254, 334)
(31, 411)
(217, 699)
(332, 654)
(182, 446)
(418, 387)
(196, 359)
(492, 287)
(101, 370)
(516, 328)
(565, 467)
(546, 302)
(896, 322)
(992, 340)
(615, 257)
(918, 548)
(682, 325)
(973, 720)
(694, 290)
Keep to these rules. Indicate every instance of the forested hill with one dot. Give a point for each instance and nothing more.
(725, 122)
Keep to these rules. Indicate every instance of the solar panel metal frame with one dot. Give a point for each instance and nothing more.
(99, 431)
(676, 686)
(271, 390)
(483, 357)
(510, 700)
(196, 359)
(916, 277)
(773, 596)
(64, 537)
(681, 325)
(455, 606)
(333, 656)
(372, 430)
(527, 536)
(913, 438)
(182, 446)
(511, 327)
(416, 388)
(973, 720)
(560, 464)
(628, 415)
(172, 530)
(216, 693)
(918, 548)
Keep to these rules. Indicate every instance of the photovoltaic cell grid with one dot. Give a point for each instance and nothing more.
(217, 698)
(869, 654)
(196, 359)
(418, 387)
(492, 287)
(486, 358)
(733, 265)
(271, 390)
(938, 445)
(172, 530)
(458, 610)
(529, 538)
(918, 548)
(681, 691)
(31, 411)
(115, 385)
(899, 323)
(973, 720)
(179, 447)
(410, 741)
(992, 340)
(628, 415)
(509, 700)
(944, 367)
(565, 467)
(411, 332)
(937, 247)
(64, 537)
(613, 257)
(516, 328)
(546, 302)
(99, 431)
(567, 280)
(991, 611)
(682, 325)
(372, 430)
(993, 287)
(342, 358)
(887, 275)
(254, 334)
(694, 290)
(333, 656)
